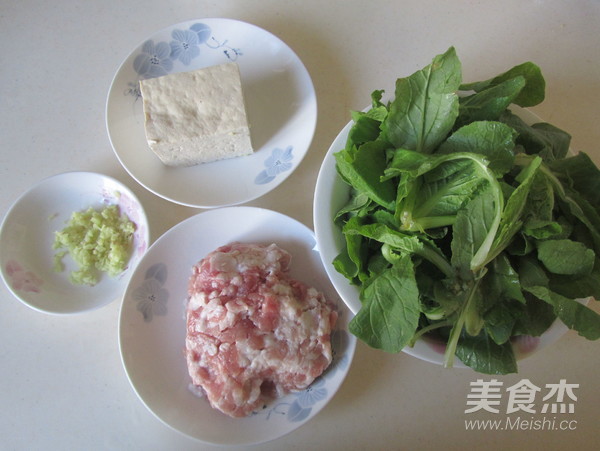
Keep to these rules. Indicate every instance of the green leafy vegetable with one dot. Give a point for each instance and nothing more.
(534, 86)
(391, 299)
(426, 105)
(566, 257)
(464, 222)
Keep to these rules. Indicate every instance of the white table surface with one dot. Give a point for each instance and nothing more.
(62, 385)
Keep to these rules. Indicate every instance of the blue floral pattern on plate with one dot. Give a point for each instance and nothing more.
(151, 296)
(158, 59)
(301, 404)
(154, 61)
(279, 161)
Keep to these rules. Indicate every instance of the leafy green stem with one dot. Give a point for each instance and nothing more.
(426, 223)
(437, 259)
(480, 258)
(425, 251)
(465, 312)
(525, 160)
(426, 330)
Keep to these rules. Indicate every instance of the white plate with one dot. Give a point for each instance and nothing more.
(27, 235)
(152, 345)
(280, 101)
(331, 194)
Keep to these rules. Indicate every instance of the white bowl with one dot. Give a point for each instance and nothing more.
(27, 235)
(331, 194)
(280, 101)
(152, 326)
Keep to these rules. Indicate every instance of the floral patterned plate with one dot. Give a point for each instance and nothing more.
(280, 102)
(152, 326)
(27, 235)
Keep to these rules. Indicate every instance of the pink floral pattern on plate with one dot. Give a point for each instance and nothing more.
(133, 211)
(21, 279)
(522, 344)
(437, 345)
(525, 344)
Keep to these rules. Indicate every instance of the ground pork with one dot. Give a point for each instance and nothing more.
(253, 333)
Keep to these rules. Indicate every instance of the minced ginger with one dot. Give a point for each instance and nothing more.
(98, 241)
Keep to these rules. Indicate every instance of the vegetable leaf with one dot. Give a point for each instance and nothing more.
(531, 95)
(425, 105)
(471, 230)
(566, 257)
(362, 167)
(575, 315)
(435, 187)
(390, 312)
(486, 356)
(511, 219)
(545, 140)
(493, 140)
(580, 173)
(489, 104)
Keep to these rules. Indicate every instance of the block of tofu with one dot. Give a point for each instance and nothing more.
(196, 117)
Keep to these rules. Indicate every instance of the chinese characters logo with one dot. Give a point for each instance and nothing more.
(522, 396)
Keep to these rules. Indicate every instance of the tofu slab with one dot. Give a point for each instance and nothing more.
(196, 117)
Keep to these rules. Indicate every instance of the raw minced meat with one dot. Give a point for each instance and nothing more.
(253, 332)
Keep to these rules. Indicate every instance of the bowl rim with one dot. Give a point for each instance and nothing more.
(423, 349)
